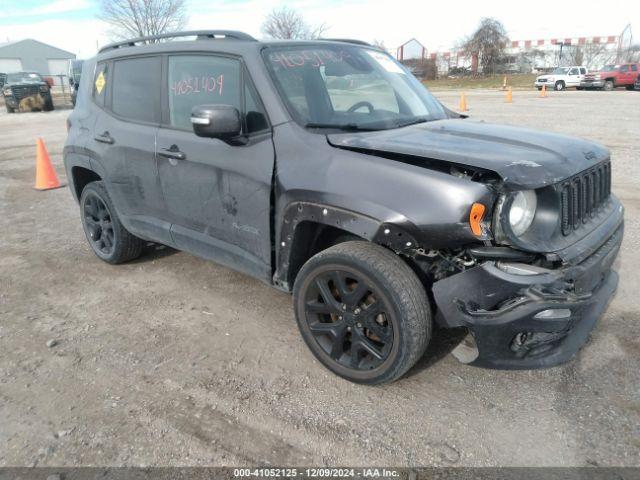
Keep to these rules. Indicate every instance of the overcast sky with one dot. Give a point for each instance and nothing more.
(72, 24)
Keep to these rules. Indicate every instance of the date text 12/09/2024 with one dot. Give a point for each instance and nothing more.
(316, 472)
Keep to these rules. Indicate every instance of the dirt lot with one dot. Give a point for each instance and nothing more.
(172, 360)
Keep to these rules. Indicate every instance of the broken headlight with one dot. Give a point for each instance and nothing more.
(522, 211)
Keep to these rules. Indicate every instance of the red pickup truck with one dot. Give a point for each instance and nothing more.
(612, 76)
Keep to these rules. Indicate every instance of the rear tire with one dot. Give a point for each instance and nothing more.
(363, 312)
(107, 237)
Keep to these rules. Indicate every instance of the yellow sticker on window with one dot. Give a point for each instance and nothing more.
(100, 81)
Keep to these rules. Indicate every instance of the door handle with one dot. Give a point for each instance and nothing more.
(104, 138)
(172, 152)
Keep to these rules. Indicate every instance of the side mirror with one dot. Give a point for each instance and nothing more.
(216, 121)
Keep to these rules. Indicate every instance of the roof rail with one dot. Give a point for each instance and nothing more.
(199, 34)
(346, 40)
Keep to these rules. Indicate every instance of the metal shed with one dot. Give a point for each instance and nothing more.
(32, 55)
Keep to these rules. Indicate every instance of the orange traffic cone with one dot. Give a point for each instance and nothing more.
(543, 92)
(463, 103)
(46, 178)
(509, 96)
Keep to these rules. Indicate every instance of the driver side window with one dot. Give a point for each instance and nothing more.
(201, 80)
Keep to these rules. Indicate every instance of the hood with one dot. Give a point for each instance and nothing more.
(523, 158)
(547, 75)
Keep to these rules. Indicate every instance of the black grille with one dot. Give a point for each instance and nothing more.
(22, 91)
(582, 196)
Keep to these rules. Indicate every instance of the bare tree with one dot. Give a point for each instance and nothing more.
(288, 24)
(141, 18)
(487, 44)
(631, 54)
(380, 44)
(596, 55)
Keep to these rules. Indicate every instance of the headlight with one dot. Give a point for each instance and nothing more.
(44, 88)
(522, 211)
(550, 79)
(597, 77)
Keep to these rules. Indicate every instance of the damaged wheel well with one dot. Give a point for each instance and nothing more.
(81, 177)
(311, 238)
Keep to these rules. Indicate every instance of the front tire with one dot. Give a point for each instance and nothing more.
(107, 237)
(9, 109)
(363, 312)
(559, 86)
(608, 85)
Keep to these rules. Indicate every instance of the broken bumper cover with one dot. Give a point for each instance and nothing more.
(533, 320)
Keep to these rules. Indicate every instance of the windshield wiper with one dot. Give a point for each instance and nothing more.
(412, 122)
(353, 127)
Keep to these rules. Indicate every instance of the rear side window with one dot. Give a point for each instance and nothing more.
(136, 89)
(201, 80)
(100, 84)
(634, 68)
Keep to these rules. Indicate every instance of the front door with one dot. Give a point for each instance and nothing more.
(574, 77)
(217, 193)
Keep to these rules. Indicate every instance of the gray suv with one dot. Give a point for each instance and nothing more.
(325, 169)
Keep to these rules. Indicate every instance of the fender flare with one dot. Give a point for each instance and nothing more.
(400, 236)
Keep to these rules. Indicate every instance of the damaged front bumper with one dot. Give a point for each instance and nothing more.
(522, 317)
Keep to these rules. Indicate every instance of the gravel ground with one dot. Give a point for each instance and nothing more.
(173, 360)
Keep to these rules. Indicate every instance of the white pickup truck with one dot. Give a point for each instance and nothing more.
(562, 77)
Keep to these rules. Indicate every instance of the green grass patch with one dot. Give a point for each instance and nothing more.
(520, 81)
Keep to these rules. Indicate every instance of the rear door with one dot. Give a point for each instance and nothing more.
(623, 75)
(124, 141)
(217, 193)
(632, 74)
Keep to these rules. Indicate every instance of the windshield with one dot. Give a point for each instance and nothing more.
(560, 71)
(24, 77)
(349, 87)
(610, 68)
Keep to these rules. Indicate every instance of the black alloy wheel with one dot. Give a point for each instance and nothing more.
(97, 219)
(362, 311)
(106, 235)
(350, 319)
